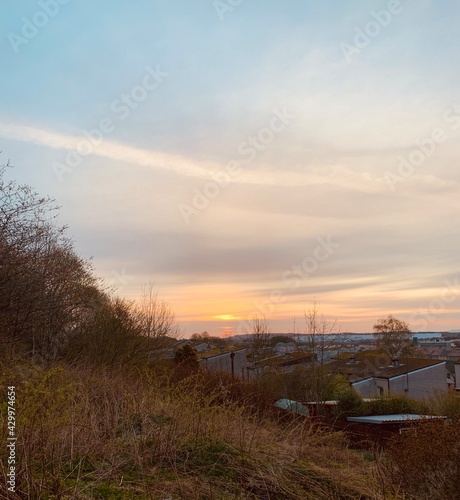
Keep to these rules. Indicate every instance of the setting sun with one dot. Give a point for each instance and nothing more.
(226, 317)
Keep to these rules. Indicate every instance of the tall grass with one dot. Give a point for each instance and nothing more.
(97, 433)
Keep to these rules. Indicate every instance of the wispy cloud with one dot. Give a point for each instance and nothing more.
(335, 175)
(107, 149)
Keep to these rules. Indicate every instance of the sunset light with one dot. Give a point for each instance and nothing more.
(247, 170)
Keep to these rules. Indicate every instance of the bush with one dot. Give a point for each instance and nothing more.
(349, 403)
(389, 405)
(447, 404)
(427, 464)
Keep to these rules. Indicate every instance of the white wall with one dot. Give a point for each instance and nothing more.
(365, 388)
(422, 383)
(419, 384)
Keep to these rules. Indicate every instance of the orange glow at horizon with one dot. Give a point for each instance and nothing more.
(229, 308)
(227, 317)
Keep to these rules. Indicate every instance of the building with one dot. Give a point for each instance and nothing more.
(395, 423)
(374, 375)
(448, 354)
(446, 344)
(279, 364)
(379, 429)
(230, 360)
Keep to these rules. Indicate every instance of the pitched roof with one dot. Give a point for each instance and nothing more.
(368, 365)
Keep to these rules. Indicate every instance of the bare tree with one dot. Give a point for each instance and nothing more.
(155, 319)
(108, 336)
(51, 304)
(319, 337)
(209, 339)
(201, 337)
(260, 343)
(394, 337)
(320, 340)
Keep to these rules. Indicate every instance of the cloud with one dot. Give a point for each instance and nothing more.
(107, 149)
(335, 175)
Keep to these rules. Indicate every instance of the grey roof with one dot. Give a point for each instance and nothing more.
(388, 419)
(367, 365)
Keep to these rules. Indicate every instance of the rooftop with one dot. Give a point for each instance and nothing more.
(391, 419)
(218, 351)
(293, 358)
(364, 365)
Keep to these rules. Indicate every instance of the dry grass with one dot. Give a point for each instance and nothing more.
(427, 465)
(92, 433)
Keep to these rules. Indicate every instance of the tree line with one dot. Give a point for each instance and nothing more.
(52, 305)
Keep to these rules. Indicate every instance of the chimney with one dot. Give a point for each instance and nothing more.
(352, 360)
(395, 362)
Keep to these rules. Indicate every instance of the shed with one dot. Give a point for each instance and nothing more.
(394, 423)
(290, 405)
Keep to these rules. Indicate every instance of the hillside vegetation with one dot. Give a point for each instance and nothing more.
(98, 433)
(98, 415)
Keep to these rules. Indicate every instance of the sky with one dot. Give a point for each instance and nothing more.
(248, 157)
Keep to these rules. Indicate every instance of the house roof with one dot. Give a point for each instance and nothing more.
(369, 365)
(293, 358)
(392, 419)
(448, 352)
(218, 352)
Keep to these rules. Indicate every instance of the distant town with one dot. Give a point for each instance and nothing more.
(434, 353)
